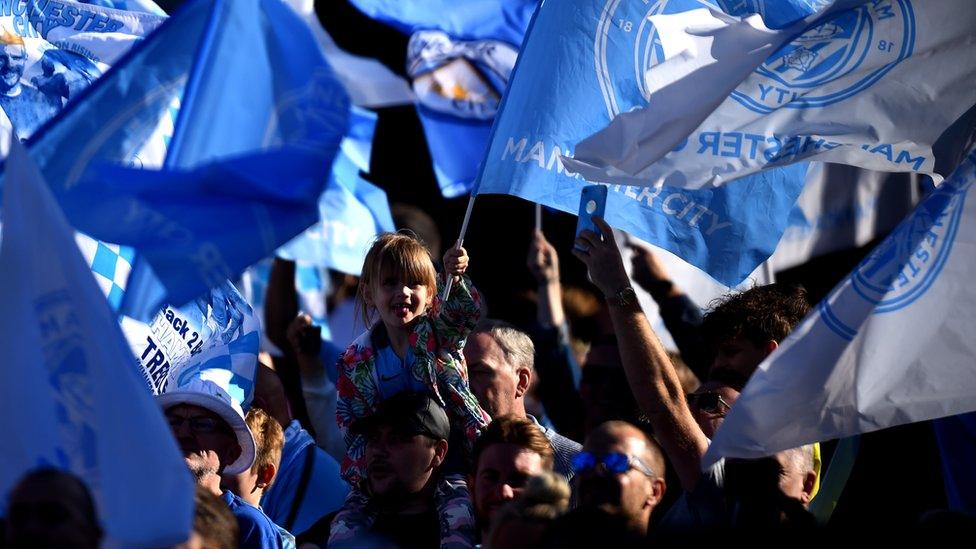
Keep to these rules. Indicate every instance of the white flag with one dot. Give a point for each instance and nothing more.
(886, 85)
(71, 396)
(893, 343)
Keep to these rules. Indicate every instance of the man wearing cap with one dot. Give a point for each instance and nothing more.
(406, 498)
(210, 430)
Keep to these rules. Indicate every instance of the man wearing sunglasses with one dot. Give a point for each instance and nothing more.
(620, 471)
(682, 426)
(210, 430)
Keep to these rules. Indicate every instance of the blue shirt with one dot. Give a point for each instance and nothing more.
(256, 529)
(325, 490)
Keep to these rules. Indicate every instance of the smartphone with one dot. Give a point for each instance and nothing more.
(310, 340)
(593, 202)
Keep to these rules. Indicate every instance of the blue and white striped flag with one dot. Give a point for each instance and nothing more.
(892, 344)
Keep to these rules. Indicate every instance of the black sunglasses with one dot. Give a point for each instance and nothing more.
(708, 401)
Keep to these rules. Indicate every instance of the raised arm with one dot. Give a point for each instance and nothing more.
(649, 371)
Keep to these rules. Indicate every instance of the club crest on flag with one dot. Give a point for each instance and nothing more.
(461, 78)
(878, 35)
(904, 266)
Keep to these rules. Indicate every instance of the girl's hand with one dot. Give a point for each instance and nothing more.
(456, 261)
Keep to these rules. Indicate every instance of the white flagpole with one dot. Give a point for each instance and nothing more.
(460, 241)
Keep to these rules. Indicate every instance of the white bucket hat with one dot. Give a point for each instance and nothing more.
(211, 396)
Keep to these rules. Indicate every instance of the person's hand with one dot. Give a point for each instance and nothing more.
(300, 330)
(456, 261)
(543, 261)
(602, 258)
(647, 269)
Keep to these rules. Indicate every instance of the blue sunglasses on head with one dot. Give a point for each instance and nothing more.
(617, 463)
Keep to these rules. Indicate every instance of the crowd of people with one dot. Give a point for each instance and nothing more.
(441, 427)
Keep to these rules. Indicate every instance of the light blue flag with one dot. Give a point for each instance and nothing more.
(892, 343)
(260, 120)
(459, 60)
(580, 65)
(71, 397)
(352, 211)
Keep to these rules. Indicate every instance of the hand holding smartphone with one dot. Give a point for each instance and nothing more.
(593, 202)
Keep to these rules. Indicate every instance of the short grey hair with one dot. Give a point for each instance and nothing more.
(802, 458)
(515, 344)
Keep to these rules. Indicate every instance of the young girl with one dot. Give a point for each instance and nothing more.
(415, 347)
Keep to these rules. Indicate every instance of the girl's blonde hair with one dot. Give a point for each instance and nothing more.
(404, 254)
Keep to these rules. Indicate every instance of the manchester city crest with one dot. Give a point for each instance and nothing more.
(826, 63)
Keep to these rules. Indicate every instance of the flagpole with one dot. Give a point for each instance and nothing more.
(538, 216)
(460, 241)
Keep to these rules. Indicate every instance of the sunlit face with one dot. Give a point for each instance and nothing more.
(493, 380)
(400, 302)
(13, 58)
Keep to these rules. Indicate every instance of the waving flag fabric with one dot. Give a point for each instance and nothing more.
(881, 84)
(71, 397)
(892, 344)
(459, 60)
(260, 120)
(557, 96)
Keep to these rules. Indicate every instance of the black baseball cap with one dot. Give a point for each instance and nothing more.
(411, 413)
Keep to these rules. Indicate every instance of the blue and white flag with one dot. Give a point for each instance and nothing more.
(368, 82)
(146, 6)
(892, 344)
(352, 211)
(51, 51)
(71, 397)
(557, 96)
(260, 120)
(216, 337)
(883, 84)
(459, 59)
(843, 207)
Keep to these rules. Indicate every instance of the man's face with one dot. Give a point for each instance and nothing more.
(494, 381)
(740, 355)
(502, 472)
(708, 409)
(398, 463)
(207, 442)
(792, 480)
(13, 58)
(626, 493)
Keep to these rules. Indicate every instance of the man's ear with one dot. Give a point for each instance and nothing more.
(809, 481)
(440, 451)
(658, 488)
(770, 346)
(523, 382)
(266, 474)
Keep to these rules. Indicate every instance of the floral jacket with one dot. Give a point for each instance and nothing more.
(436, 341)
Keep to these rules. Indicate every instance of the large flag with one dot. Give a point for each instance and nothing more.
(368, 82)
(352, 211)
(71, 397)
(260, 120)
(556, 97)
(884, 85)
(892, 344)
(843, 207)
(50, 54)
(459, 59)
(215, 337)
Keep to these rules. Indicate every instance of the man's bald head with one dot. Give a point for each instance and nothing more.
(631, 484)
(616, 433)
